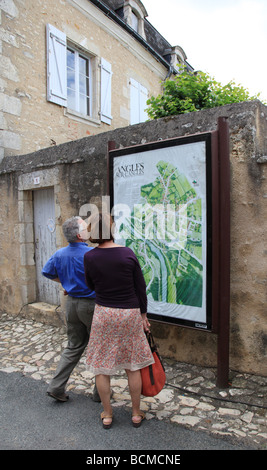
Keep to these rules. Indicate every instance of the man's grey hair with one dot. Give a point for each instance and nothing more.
(71, 228)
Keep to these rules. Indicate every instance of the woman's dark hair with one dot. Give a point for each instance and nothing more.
(101, 228)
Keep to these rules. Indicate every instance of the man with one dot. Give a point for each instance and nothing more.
(66, 266)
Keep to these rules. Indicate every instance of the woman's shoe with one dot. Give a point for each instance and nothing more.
(106, 416)
(137, 424)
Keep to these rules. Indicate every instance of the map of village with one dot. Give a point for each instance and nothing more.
(165, 232)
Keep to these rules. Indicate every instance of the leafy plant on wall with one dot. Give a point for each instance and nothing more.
(189, 92)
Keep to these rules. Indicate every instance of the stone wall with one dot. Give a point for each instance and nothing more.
(78, 172)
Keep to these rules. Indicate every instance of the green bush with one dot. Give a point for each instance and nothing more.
(192, 92)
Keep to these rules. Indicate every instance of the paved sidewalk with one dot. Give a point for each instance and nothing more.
(190, 397)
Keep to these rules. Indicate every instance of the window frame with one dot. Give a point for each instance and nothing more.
(77, 55)
(135, 21)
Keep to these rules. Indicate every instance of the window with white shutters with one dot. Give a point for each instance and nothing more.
(138, 99)
(72, 79)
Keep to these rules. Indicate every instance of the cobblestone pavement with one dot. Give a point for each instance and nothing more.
(190, 397)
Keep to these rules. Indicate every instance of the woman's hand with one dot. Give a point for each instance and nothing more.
(146, 323)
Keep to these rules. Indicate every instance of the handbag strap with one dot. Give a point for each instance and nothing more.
(151, 375)
(153, 348)
(151, 341)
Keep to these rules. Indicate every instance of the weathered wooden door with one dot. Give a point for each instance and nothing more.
(45, 242)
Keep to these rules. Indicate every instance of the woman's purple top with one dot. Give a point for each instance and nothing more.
(116, 277)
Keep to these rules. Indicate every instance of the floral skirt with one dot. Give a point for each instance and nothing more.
(117, 341)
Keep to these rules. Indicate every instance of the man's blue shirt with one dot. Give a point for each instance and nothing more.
(67, 265)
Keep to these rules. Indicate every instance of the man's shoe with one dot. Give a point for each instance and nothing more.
(63, 397)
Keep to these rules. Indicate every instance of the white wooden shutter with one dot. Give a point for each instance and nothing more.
(106, 75)
(143, 96)
(134, 101)
(138, 99)
(56, 65)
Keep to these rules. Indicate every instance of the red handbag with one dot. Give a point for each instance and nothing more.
(153, 376)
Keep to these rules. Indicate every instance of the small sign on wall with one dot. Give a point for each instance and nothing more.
(36, 180)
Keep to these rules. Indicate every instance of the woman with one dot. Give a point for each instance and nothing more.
(117, 339)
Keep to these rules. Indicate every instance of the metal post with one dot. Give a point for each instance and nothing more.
(224, 255)
(111, 146)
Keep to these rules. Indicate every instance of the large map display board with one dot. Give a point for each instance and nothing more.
(160, 195)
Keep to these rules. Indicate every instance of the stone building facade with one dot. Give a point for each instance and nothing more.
(74, 174)
(74, 68)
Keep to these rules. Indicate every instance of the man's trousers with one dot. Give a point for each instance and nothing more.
(79, 315)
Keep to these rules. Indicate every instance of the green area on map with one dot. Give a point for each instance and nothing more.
(165, 232)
